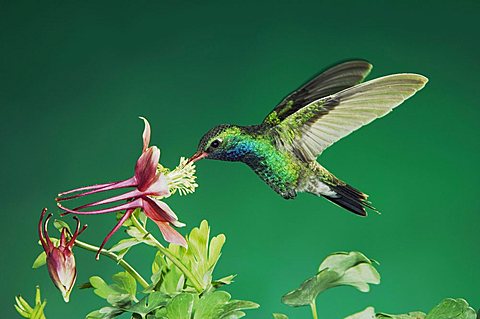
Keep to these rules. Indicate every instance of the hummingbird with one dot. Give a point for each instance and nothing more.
(283, 149)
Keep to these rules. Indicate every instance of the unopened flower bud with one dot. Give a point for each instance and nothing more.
(60, 259)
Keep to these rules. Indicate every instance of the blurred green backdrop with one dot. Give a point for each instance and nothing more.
(75, 75)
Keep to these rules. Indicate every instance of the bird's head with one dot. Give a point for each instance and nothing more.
(220, 143)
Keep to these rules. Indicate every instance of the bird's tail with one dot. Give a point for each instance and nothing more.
(350, 198)
(325, 184)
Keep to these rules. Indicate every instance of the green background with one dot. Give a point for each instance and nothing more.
(75, 75)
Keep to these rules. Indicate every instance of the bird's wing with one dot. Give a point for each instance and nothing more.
(321, 123)
(332, 80)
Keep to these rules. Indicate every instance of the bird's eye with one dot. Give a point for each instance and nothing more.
(215, 144)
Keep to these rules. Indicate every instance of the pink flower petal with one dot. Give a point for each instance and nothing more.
(170, 234)
(146, 134)
(159, 187)
(146, 168)
(159, 211)
(62, 270)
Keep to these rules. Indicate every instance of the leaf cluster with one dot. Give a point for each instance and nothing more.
(31, 312)
(356, 270)
(169, 294)
(449, 308)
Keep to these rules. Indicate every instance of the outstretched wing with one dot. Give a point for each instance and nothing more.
(331, 81)
(318, 125)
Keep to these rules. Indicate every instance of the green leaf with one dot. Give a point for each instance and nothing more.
(201, 258)
(181, 307)
(202, 254)
(310, 289)
(217, 305)
(105, 313)
(101, 288)
(215, 250)
(211, 305)
(60, 224)
(120, 292)
(410, 315)
(141, 216)
(339, 269)
(448, 309)
(148, 304)
(279, 316)
(165, 277)
(452, 308)
(125, 283)
(368, 313)
(27, 311)
(135, 233)
(40, 260)
(234, 315)
(123, 246)
(355, 269)
(231, 309)
(223, 281)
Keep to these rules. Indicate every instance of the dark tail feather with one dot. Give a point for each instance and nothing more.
(351, 199)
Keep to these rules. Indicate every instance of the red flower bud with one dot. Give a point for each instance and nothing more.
(60, 259)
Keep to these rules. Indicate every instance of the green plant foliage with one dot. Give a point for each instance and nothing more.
(339, 269)
(123, 246)
(165, 277)
(410, 315)
(40, 260)
(368, 313)
(279, 316)
(169, 296)
(452, 308)
(200, 257)
(148, 304)
(60, 224)
(31, 312)
(120, 292)
(181, 307)
(218, 305)
(202, 254)
(448, 309)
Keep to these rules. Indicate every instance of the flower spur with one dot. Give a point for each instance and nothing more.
(149, 183)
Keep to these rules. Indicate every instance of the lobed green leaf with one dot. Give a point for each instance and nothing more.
(148, 304)
(452, 308)
(181, 307)
(339, 269)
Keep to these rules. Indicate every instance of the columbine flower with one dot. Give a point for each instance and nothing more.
(150, 185)
(60, 260)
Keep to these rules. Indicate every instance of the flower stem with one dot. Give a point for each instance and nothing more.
(188, 274)
(313, 306)
(125, 265)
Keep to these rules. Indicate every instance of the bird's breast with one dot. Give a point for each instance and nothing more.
(276, 168)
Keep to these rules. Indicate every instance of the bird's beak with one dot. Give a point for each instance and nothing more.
(197, 156)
